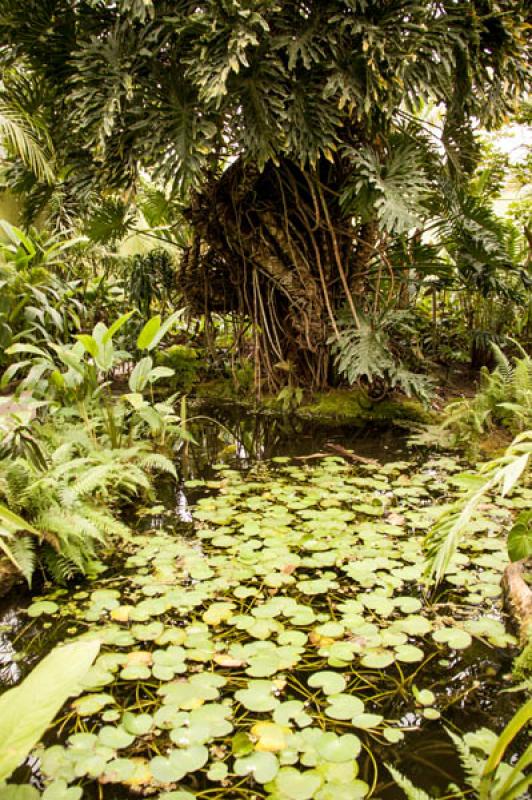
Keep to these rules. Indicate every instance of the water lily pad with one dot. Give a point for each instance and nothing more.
(119, 770)
(115, 737)
(339, 748)
(147, 633)
(42, 607)
(59, 790)
(378, 658)
(259, 696)
(456, 638)
(172, 768)
(294, 785)
(179, 795)
(344, 706)
(263, 766)
(424, 696)
(329, 682)
(292, 711)
(218, 772)
(366, 721)
(89, 704)
(271, 737)
(354, 790)
(409, 653)
(137, 724)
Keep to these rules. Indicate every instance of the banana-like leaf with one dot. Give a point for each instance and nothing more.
(148, 332)
(140, 375)
(27, 710)
(115, 327)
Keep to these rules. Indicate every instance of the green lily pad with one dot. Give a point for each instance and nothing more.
(89, 704)
(409, 653)
(366, 721)
(172, 768)
(330, 682)
(294, 785)
(262, 766)
(456, 638)
(259, 696)
(59, 790)
(115, 737)
(42, 607)
(339, 748)
(378, 659)
(137, 724)
(343, 706)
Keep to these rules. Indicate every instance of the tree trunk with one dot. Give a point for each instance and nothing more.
(275, 247)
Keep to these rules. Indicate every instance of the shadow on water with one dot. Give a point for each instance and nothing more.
(224, 434)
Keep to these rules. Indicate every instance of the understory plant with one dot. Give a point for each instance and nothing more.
(504, 398)
(56, 511)
(370, 353)
(79, 376)
(481, 754)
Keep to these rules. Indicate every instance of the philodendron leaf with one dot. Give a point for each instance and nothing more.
(520, 537)
(23, 720)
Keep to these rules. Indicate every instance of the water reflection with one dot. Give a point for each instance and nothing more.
(226, 433)
(10, 672)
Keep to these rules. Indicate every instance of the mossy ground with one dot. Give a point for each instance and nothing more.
(334, 407)
(353, 406)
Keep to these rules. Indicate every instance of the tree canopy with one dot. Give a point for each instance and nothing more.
(293, 130)
(166, 85)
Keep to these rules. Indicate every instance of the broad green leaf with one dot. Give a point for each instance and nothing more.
(164, 328)
(140, 375)
(25, 348)
(23, 720)
(148, 332)
(520, 537)
(89, 343)
(115, 327)
(263, 766)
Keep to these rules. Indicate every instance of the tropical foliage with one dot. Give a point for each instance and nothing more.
(228, 224)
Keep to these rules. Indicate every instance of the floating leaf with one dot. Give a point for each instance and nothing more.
(259, 696)
(329, 682)
(271, 737)
(344, 706)
(263, 766)
(42, 607)
(339, 748)
(456, 638)
(294, 785)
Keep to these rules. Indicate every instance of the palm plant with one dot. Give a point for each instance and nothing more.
(24, 136)
(499, 475)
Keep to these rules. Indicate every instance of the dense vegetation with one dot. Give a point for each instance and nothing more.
(279, 212)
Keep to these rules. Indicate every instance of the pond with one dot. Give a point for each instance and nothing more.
(265, 632)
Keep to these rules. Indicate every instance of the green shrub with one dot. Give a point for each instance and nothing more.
(186, 364)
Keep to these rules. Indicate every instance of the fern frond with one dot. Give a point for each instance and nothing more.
(472, 765)
(60, 568)
(412, 792)
(156, 462)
